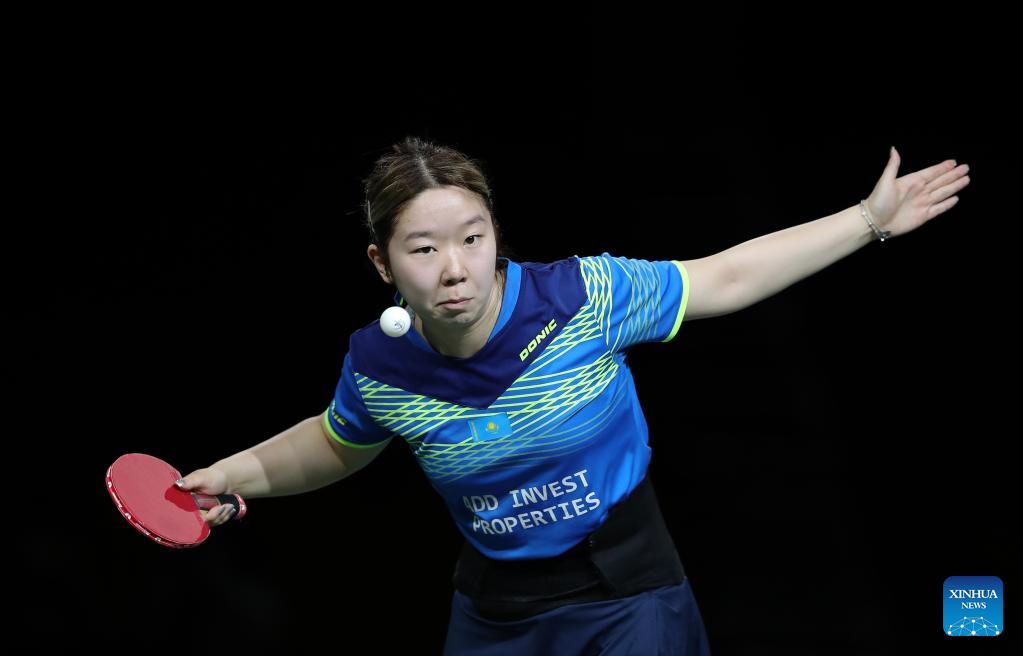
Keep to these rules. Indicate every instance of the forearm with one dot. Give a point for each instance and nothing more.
(297, 460)
(766, 265)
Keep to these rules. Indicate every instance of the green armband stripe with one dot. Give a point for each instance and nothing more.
(685, 299)
(338, 438)
(330, 429)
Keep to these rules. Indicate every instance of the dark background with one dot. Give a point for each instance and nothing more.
(186, 263)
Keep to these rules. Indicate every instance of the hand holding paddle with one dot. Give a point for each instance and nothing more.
(147, 492)
(209, 485)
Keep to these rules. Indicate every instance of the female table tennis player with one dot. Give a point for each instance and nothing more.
(513, 392)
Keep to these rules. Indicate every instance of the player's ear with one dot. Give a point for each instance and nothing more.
(378, 261)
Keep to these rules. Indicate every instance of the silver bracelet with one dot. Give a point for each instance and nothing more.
(881, 234)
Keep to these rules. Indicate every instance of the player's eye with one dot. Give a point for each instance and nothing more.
(421, 249)
(476, 237)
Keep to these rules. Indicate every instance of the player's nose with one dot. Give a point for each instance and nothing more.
(454, 266)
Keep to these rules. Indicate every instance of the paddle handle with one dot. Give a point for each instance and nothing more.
(208, 502)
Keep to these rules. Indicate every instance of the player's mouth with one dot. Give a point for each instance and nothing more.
(457, 303)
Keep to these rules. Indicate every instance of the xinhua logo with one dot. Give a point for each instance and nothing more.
(972, 606)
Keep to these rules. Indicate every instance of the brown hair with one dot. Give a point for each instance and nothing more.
(413, 166)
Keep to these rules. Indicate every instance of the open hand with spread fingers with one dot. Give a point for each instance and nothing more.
(901, 205)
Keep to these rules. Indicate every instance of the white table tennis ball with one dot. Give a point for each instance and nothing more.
(395, 321)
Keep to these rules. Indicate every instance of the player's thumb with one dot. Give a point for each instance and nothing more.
(190, 482)
(208, 480)
(894, 160)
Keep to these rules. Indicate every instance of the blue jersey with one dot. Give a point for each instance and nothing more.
(534, 438)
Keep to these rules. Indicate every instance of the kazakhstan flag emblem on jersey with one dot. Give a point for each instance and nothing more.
(489, 428)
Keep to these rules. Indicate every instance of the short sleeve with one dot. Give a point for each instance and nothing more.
(347, 419)
(635, 301)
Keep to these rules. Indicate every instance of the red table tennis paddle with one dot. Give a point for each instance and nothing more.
(143, 489)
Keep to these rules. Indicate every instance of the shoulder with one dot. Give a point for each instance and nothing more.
(568, 263)
(589, 264)
(600, 269)
(562, 276)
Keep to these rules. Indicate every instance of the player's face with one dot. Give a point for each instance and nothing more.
(444, 248)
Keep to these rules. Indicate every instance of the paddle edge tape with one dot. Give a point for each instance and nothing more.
(155, 537)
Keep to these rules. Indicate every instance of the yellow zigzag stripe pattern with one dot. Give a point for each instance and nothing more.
(644, 297)
(536, 404)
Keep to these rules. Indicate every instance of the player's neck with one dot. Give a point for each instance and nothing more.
(468, 343)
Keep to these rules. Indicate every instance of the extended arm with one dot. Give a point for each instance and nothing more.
(754, 270)
(301, 459)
